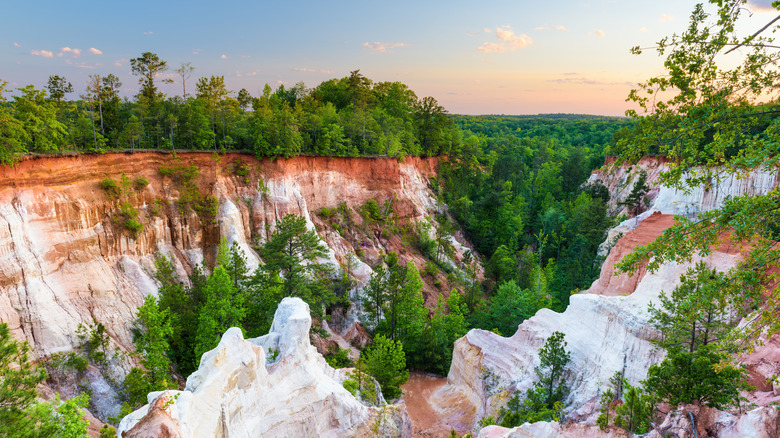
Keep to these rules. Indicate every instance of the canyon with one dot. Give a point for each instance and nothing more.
(66, 260)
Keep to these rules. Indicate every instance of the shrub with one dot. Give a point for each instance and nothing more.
(111, 187)
(140, 183)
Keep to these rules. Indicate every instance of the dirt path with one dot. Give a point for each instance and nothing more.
(427, 422)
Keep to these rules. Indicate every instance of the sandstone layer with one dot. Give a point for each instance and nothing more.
(66, 259)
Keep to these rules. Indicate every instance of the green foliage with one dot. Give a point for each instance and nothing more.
(543, 401)
(20, 414)
(636, 199)
(94, 342)
(107, 431)
(507, 309)
(360, 384)
(685, 377)
(386, 362)
(17, 381)
(291, 257)
(223, 307)
(338, 357)
(111, 187)
(140, 183)
(635, 414)
(714, 121)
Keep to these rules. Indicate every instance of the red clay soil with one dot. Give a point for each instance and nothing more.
(373, 172)
(426, 422)
(624, 284)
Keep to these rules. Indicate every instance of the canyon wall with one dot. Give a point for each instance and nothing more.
(606, 327)
(66, 259)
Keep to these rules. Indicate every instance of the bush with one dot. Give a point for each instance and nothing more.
(338, 357)
(111, 187)
(140, 183)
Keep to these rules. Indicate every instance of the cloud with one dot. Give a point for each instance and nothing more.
(304, 69)
(599, 33)
(196, 52)
(506, 34)
(17, 44)
(44, 53)
(254, 73)
(488, 30)
(492, 48)
(75, 52)
(327, 72)
(376, 46)
(120, 62)
(510, 41)
(223, 56)
(149, 33)
(95, 51)
(581, 80)
(245, 56)
(559, 28)
(643, 29)
(665, 17)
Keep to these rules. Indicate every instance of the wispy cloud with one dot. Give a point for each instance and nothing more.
(120, 62)
(17, 44)
(245, 56)
(509, 41)
(376, 46)
(223, 56)
(74, 52)
(492, 48)
(599, 33)
(95, 51)
(312, 70)
(558, 28)
(240, 75)
(582, 80)
(196, 52)
(149, 33)
(665, 17)
(43, 53)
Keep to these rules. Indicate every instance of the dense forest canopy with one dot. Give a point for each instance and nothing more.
(347, 117)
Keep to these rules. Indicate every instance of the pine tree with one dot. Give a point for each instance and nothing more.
(386, 362)
(222, 309)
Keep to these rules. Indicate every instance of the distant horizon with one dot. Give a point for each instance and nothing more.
(503, 58)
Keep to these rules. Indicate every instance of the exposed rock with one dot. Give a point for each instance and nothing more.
(159, 421)
(64, 261)
(551, 430)
(606, 331)
(274, 385)
(757, 423)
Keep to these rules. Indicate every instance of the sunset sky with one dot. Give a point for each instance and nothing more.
(496, 57)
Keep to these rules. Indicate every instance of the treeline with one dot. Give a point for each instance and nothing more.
(522, 202)
(351, 116)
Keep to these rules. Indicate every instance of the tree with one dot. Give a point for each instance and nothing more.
(39, 117)
(223, 308)
(636, 198)
(184, 72)
(714, 119)
(699, 311)
(152, 344)
(13, 137)
(58, 87)
(385, 361)
(292, 257)
(147, 67)
(635, 413)
(685, 377)
(18, 380)
(543, 401)
(507, 309)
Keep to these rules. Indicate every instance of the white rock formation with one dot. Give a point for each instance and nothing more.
(239, 391)
(605, 334)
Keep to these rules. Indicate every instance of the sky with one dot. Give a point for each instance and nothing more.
(488, 57)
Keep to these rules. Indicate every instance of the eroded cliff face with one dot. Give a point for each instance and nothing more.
(66, 259)
(241, 390)
(606, 327)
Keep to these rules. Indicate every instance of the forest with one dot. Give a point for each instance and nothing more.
(515, 185)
